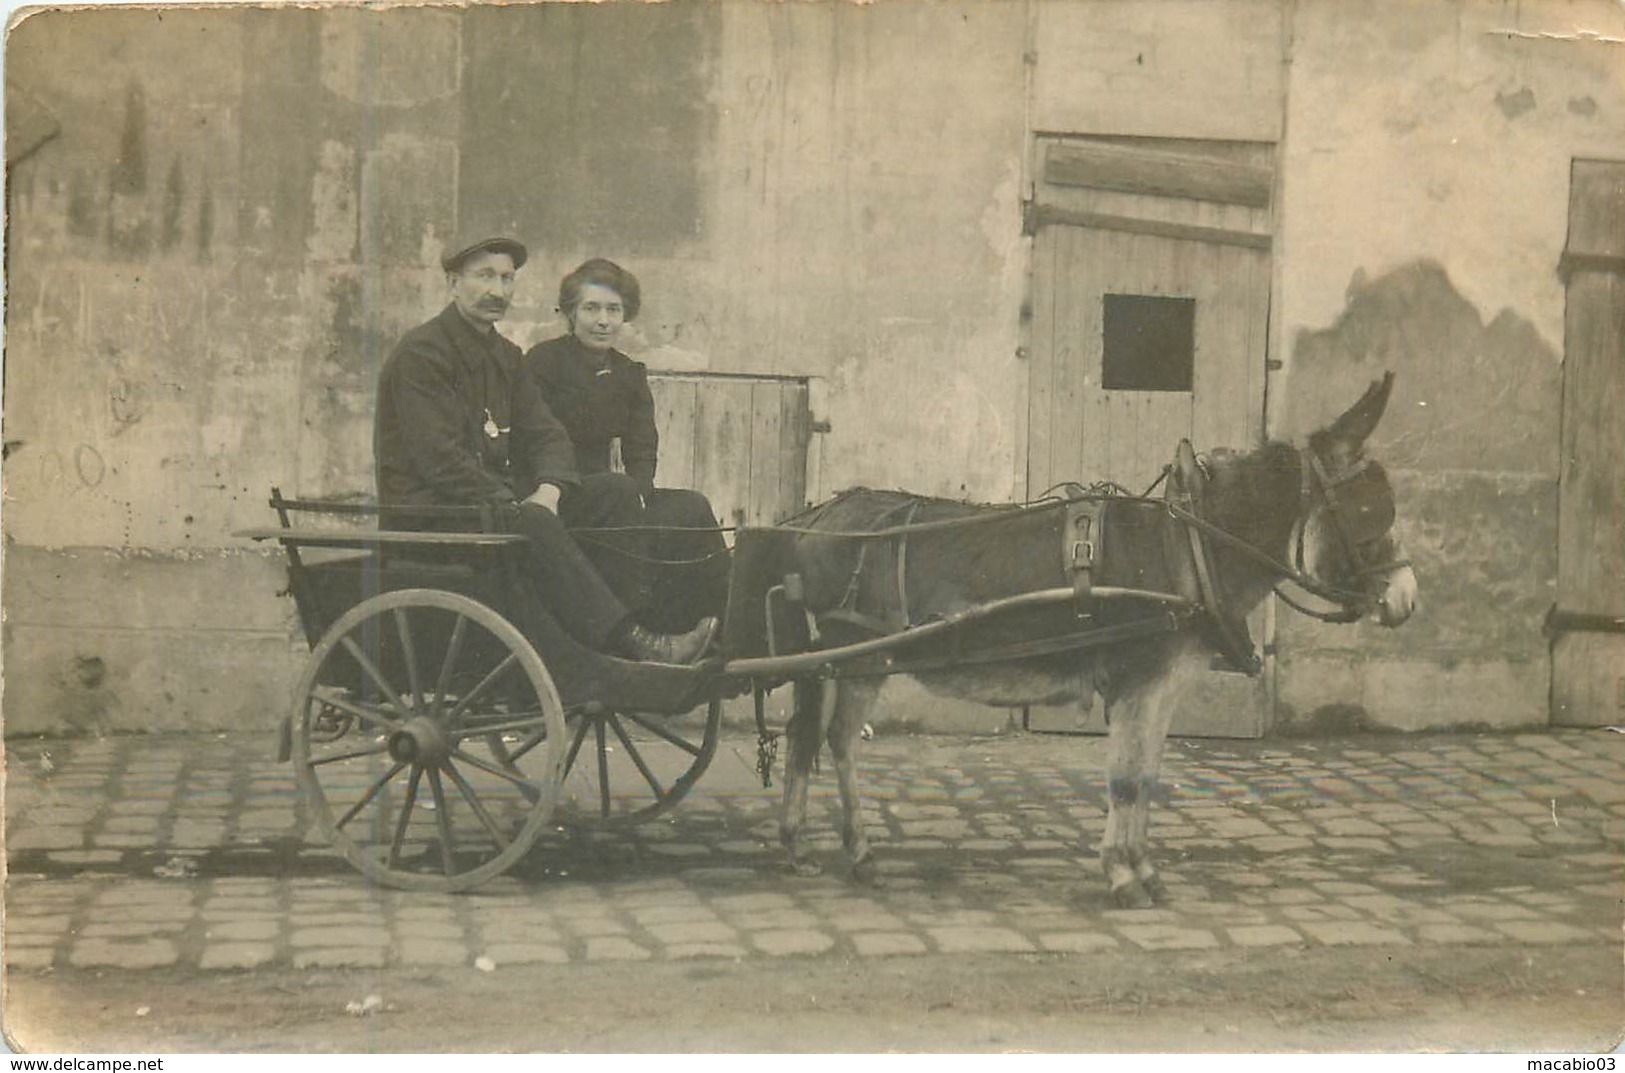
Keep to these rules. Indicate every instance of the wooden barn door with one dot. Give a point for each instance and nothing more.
(1150, 289)
(1588, 644)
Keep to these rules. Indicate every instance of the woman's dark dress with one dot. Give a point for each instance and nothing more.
(600, 396)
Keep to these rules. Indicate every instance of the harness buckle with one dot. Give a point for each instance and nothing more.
(1081, 550)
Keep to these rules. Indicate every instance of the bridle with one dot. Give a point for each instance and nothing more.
(1354, 604)
(1317, 489)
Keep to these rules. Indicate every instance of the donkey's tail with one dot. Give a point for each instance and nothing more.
(805, 731)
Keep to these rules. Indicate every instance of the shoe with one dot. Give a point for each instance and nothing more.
(679, 648)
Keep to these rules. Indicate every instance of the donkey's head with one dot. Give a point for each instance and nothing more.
(1346, 541)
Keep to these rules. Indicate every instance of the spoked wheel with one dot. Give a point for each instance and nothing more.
(428, 740)
(623, 768)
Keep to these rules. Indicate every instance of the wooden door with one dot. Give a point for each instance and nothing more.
(1150, 298)
(1588, 644)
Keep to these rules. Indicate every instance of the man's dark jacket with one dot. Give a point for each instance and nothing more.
(460, 423)
(599, 395)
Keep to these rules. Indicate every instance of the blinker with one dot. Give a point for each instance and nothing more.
(1366, 503)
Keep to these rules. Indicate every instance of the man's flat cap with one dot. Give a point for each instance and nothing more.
(464, 248)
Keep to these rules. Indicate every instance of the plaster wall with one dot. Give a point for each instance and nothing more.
(245, 207)
(1159, 68)
(203, 268)
(1424, 210)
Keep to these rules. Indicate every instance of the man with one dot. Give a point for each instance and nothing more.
(458, 424)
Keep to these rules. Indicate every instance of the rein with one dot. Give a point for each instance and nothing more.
(1347, 598)
(1316, 483)
(997, 514)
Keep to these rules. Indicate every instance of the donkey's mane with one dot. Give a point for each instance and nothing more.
(1254, 496)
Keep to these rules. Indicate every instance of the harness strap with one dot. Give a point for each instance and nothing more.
(864, 623)
(1187, 480)
(902, 563)
(854, 583)
(1328, 492)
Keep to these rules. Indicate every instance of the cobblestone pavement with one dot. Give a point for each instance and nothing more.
(190, 851)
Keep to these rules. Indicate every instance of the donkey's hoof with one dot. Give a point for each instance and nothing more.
(1155, 887)
(866, 871)
(1131, 896)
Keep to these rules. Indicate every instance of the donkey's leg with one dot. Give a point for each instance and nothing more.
(1168, 693)
(856, 700)
(1139, 845)
(1139, 722)
(812, 711)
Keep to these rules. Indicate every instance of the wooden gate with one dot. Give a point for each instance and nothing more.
(1150, 321)
(1588, 623)
(740, 439)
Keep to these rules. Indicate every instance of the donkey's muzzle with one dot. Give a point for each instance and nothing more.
(1398, 601)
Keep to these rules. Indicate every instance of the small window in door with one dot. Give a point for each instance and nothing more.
(1149, 343)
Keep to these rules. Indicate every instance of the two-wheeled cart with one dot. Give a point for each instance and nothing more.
(443, 720)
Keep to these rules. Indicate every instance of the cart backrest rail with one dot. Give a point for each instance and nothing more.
(376, 538)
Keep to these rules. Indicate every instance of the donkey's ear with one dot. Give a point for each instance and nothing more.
(1351, 430)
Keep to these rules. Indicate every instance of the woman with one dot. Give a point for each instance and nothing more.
(602, 396)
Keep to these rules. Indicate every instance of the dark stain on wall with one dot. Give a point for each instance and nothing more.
(1337, 719)
(281, 129)
(591, 123)
(348, 330)
(90, 671)
(130, 170)
(1468, 395)
(205, 221)
(1470, 438)
(129, 223)
(84, 216)
(1513, 105)
(174, 204)
(82, 697)
(1484, 548)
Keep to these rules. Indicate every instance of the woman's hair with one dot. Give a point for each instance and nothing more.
(605, 273)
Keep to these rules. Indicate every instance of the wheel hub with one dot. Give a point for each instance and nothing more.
(421, 742)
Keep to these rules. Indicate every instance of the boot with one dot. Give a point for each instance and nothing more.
(681, 648)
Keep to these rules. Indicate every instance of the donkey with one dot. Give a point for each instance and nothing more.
(1320, 515)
